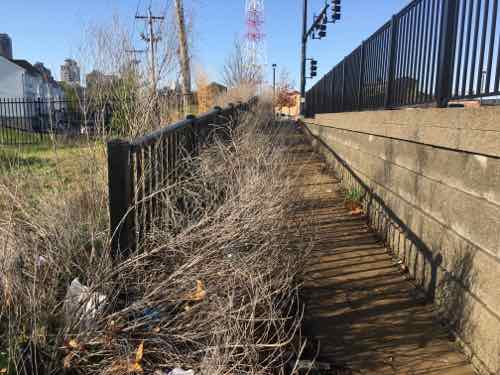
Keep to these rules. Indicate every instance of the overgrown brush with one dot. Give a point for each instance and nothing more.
(216, 293)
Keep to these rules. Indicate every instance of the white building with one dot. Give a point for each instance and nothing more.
(70, 72)
(20, 79)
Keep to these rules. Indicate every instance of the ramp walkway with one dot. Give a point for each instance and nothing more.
(360, 306)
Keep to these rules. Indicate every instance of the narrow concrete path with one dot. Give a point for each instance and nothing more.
(360, 307)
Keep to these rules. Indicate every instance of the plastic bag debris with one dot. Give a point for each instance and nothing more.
(175, 371)
(81, 302)
(179, 371)
(312, 365)
(41, 261)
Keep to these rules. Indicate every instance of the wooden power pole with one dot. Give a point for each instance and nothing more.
(184, 56)
(152, 40)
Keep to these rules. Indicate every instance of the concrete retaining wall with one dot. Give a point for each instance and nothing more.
(432, 183)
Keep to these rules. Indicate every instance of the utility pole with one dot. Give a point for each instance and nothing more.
(303, 60)
(152, 40)
(184, 56)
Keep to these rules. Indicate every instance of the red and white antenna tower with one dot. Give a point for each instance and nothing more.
(255, 43)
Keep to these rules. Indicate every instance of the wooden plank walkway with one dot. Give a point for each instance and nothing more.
(360, 307)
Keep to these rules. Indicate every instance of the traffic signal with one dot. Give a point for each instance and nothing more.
(322, 31)
(336, 8)
(314, 68)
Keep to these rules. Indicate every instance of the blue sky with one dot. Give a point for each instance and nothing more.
(50, 31)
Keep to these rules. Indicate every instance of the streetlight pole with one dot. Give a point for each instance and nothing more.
(274, 87)
(274, 79)
(303, 60)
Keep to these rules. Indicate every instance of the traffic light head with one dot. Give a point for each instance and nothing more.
(336, 9)
(314, 68)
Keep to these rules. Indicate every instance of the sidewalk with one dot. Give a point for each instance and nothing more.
(359, 306)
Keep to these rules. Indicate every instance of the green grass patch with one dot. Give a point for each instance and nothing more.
(38, 169)
(14, 136)
(354, 195)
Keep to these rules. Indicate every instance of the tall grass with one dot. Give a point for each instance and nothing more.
(216, 292)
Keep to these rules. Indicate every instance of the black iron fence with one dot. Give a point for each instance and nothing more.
(32, 120)
(139, 168)
(432, 51)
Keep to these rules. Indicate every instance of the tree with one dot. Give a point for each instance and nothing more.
(71, 96)
(239, 71)
(285, 96)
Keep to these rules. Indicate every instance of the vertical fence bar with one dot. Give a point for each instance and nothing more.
(3, 131)
(407, 57)
(423, 24)
(19, 121)
(449, 19)
(418, 50)
(361, 76)
(431, 52)
(482, 49)
(153, 170)
(467, 48)
(496, 86)
(460, 48)
(425, 48)
(474, 49)
(413, 56)
(120, 197)
(139, 196)
(391, 61)
(343, 85)
(492, 43)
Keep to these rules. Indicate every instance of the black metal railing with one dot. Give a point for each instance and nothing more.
(33, 120)
(432, 51)
(139, 168)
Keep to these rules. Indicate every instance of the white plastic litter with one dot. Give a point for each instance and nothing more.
(179, 371)
(81, 302)
(312, 365)
(40, 261)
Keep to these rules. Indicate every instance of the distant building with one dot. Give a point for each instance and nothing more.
(6, 46)
(207, 96)
(97, 78)
(20, 79)
(70, 72)
(46, 73)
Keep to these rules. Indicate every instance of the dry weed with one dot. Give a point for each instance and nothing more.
(216, 293)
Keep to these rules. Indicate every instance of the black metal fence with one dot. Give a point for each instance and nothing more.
(432, 51)
(139, 168)
(32, 120)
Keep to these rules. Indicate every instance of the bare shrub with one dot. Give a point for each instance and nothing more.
(48, 236)
(217, 292)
